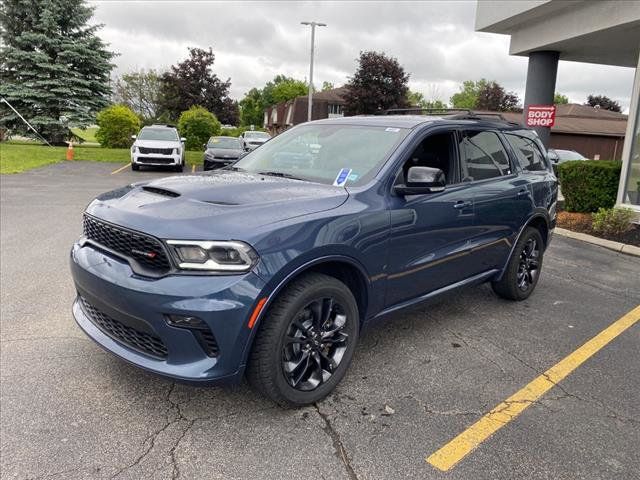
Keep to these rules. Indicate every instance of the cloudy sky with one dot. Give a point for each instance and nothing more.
(254, 41)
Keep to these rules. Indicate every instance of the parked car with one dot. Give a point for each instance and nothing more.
(222, 151)
(560, 156)
(158, 146)
(253, 139)
(272, 267)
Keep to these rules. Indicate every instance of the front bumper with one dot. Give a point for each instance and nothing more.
(156, 160)
(139, 307)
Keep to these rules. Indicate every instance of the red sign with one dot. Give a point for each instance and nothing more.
(540, 115)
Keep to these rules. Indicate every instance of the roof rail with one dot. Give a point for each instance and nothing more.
(454, 113)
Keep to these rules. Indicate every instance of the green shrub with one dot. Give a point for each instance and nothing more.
(116, 125)
(588, 185)
(198, 124)
(612, 221)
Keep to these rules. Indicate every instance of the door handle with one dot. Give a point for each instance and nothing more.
(522, 193)
(462, 204)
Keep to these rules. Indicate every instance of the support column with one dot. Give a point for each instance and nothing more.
(541, 84)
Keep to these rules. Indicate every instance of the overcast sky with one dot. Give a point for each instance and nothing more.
(254, 41)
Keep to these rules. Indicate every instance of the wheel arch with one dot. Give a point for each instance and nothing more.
(540, 222)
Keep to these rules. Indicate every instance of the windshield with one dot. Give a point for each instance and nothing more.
(565, 155)
(167, 134)
(224, 142)
(329, 154)
(256, 135)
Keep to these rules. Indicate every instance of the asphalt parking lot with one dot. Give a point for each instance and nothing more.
(69, 410)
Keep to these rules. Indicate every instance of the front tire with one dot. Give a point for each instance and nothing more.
(306, 341)
(179, 168)
(523, 271)
(135, 167)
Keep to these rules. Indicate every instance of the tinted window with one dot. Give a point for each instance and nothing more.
(482, 156)
(527, 152)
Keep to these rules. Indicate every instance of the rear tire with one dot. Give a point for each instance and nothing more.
(523, 270)
(305, 343)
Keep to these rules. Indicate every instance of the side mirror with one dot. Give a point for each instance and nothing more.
(182, 139)
(133, 137)
(204, 146)
(421, 180)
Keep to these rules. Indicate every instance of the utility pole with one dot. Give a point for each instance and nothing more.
(313, 37)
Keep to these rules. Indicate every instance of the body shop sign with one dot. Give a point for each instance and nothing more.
(541, 115)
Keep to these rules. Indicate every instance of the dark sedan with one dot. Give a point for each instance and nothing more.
(222, 151)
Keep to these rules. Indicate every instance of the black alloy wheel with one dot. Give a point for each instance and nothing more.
(315, 344)
(305, 342)
(522, 273)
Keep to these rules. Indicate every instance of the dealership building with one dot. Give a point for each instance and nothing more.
(602, 32)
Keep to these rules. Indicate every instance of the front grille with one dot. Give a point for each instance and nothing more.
(145, 250)
(156, 151)
(129, 336)
(160, 160)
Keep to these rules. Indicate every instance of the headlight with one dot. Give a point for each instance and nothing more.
(215, 256)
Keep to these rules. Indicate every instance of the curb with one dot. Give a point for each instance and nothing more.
(610, 244)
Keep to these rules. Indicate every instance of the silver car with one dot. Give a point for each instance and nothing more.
(158, 146)
(253, 139)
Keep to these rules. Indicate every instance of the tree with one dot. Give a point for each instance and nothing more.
(467, 97)
(281, 89)
(416, 99)
(379, 83)
(140, 91)
(560, 99)
(485, 95)
(116, 125)
(54, 68)
(493, 97)
(603, 102)
(251, 108)
(327, 86)
(198, 124)
(191, 82)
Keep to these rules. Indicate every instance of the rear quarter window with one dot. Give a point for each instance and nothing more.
(527, 152)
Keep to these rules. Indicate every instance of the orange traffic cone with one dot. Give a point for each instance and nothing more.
(70, 151)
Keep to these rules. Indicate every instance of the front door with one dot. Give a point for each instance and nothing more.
(430, 234)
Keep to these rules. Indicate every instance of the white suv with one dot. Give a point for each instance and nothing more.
(158, 145)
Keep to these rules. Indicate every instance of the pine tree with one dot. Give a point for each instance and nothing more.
(54, 69)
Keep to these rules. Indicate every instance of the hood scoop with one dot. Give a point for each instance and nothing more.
(161, 191)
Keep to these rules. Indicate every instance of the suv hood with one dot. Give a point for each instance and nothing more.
(217, 205)
(157, 143)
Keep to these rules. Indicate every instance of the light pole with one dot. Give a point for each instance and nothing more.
(313, 37)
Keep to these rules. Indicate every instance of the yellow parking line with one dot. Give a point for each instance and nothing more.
(120, 169)
(454, 451)
(193, 168)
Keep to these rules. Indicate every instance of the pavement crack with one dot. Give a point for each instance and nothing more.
(338, 446)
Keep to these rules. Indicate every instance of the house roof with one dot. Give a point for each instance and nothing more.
(333, 95)
(573, 118)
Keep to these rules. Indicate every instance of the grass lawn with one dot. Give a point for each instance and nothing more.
(17, 157)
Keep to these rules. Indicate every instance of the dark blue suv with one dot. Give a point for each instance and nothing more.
(273, 266)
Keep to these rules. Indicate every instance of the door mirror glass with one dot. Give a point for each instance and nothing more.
(133, 137)
(421, 180)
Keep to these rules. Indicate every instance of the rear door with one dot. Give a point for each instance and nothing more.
(502, 198)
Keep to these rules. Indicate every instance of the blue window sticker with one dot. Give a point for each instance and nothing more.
(342, 177)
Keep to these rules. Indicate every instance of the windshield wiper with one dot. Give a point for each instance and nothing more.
(280, 174)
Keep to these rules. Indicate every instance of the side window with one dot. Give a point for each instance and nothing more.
(527, 152)
(482, 156)
(437, 150)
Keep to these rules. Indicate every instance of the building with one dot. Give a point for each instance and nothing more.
(605, 32)
(326, 104)
(595, 133)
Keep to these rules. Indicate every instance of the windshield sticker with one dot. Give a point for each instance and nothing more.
(342, 177)
(395, 130)
(353, 177)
